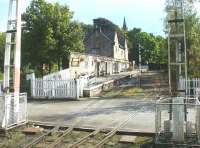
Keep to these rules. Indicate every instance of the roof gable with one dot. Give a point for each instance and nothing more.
(107, 29)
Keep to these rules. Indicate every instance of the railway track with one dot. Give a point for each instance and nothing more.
(40, 138)
(68, 138)
(78, 142)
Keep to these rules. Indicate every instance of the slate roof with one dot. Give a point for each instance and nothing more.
(108, 30)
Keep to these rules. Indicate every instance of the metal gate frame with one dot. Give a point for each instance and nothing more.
(10, 118)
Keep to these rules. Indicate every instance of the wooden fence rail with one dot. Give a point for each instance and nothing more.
(72, 88)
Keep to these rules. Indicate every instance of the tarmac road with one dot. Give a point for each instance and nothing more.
(96, 113)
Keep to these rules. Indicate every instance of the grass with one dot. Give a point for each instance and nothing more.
(1, 76)
(123, 92)
(13, 140)
(143, 140)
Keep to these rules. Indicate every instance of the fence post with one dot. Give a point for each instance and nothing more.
(77, 88)
(53, 86)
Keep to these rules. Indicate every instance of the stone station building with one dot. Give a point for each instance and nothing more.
(106, 51)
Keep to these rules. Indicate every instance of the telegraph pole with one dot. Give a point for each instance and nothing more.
(140, 64)
(177, 54)
(12, 59)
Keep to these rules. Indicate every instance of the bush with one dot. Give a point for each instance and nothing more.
(1, 76)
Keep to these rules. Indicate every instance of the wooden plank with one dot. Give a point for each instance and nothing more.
(32, 130)
(128, 139)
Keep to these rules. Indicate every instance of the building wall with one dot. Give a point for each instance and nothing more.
(126, 51)
(120, 53)
(81, 64)
(99, 44)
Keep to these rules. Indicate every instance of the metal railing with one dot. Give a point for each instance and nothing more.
(179, 125)
(13, 110)
(192, 87)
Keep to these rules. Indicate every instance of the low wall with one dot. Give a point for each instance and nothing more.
(97, 89)
(94, 91)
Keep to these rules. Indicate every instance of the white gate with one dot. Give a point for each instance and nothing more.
(8, 116)
(192, 87)
(58, 88)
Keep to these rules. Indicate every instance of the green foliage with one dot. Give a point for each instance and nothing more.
(12, 140)
(154, 49)
(49, 35)
(193, 43)
(1, 76)
(2, 48)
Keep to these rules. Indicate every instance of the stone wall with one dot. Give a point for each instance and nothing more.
(98, 44)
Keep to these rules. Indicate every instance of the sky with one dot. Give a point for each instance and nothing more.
(146, 14)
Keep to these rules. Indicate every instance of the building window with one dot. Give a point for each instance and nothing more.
(75, 62)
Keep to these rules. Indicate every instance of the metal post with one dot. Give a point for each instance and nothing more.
(140, 67)
(177, 62)
(77, 82)
(13, 47)
(177, 54)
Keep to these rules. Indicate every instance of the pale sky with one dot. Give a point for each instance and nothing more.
(145, 14)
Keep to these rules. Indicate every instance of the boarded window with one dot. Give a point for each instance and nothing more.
(75, 62)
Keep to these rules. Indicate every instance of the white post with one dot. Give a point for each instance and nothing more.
(32, 78)
(157, 119)
(198, 122)
(178, 119)
(53, 87)
(77, 88)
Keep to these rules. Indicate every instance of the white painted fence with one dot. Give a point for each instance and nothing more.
(72, 88)
(61, 75)
(193, 87)
(9, 114)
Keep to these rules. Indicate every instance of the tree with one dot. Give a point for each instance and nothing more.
(193, 43)
(154, 48)
(49, 35)
(2, 48)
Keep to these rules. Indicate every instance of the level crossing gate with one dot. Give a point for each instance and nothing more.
(8, 116)
(58, 89)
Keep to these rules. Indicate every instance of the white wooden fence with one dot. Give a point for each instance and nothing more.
(13, 110)
(72, 88)
(192, 87)
(60, 75)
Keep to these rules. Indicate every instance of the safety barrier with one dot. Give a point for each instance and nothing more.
(72, 88)
(13, 110)
(192, 87)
